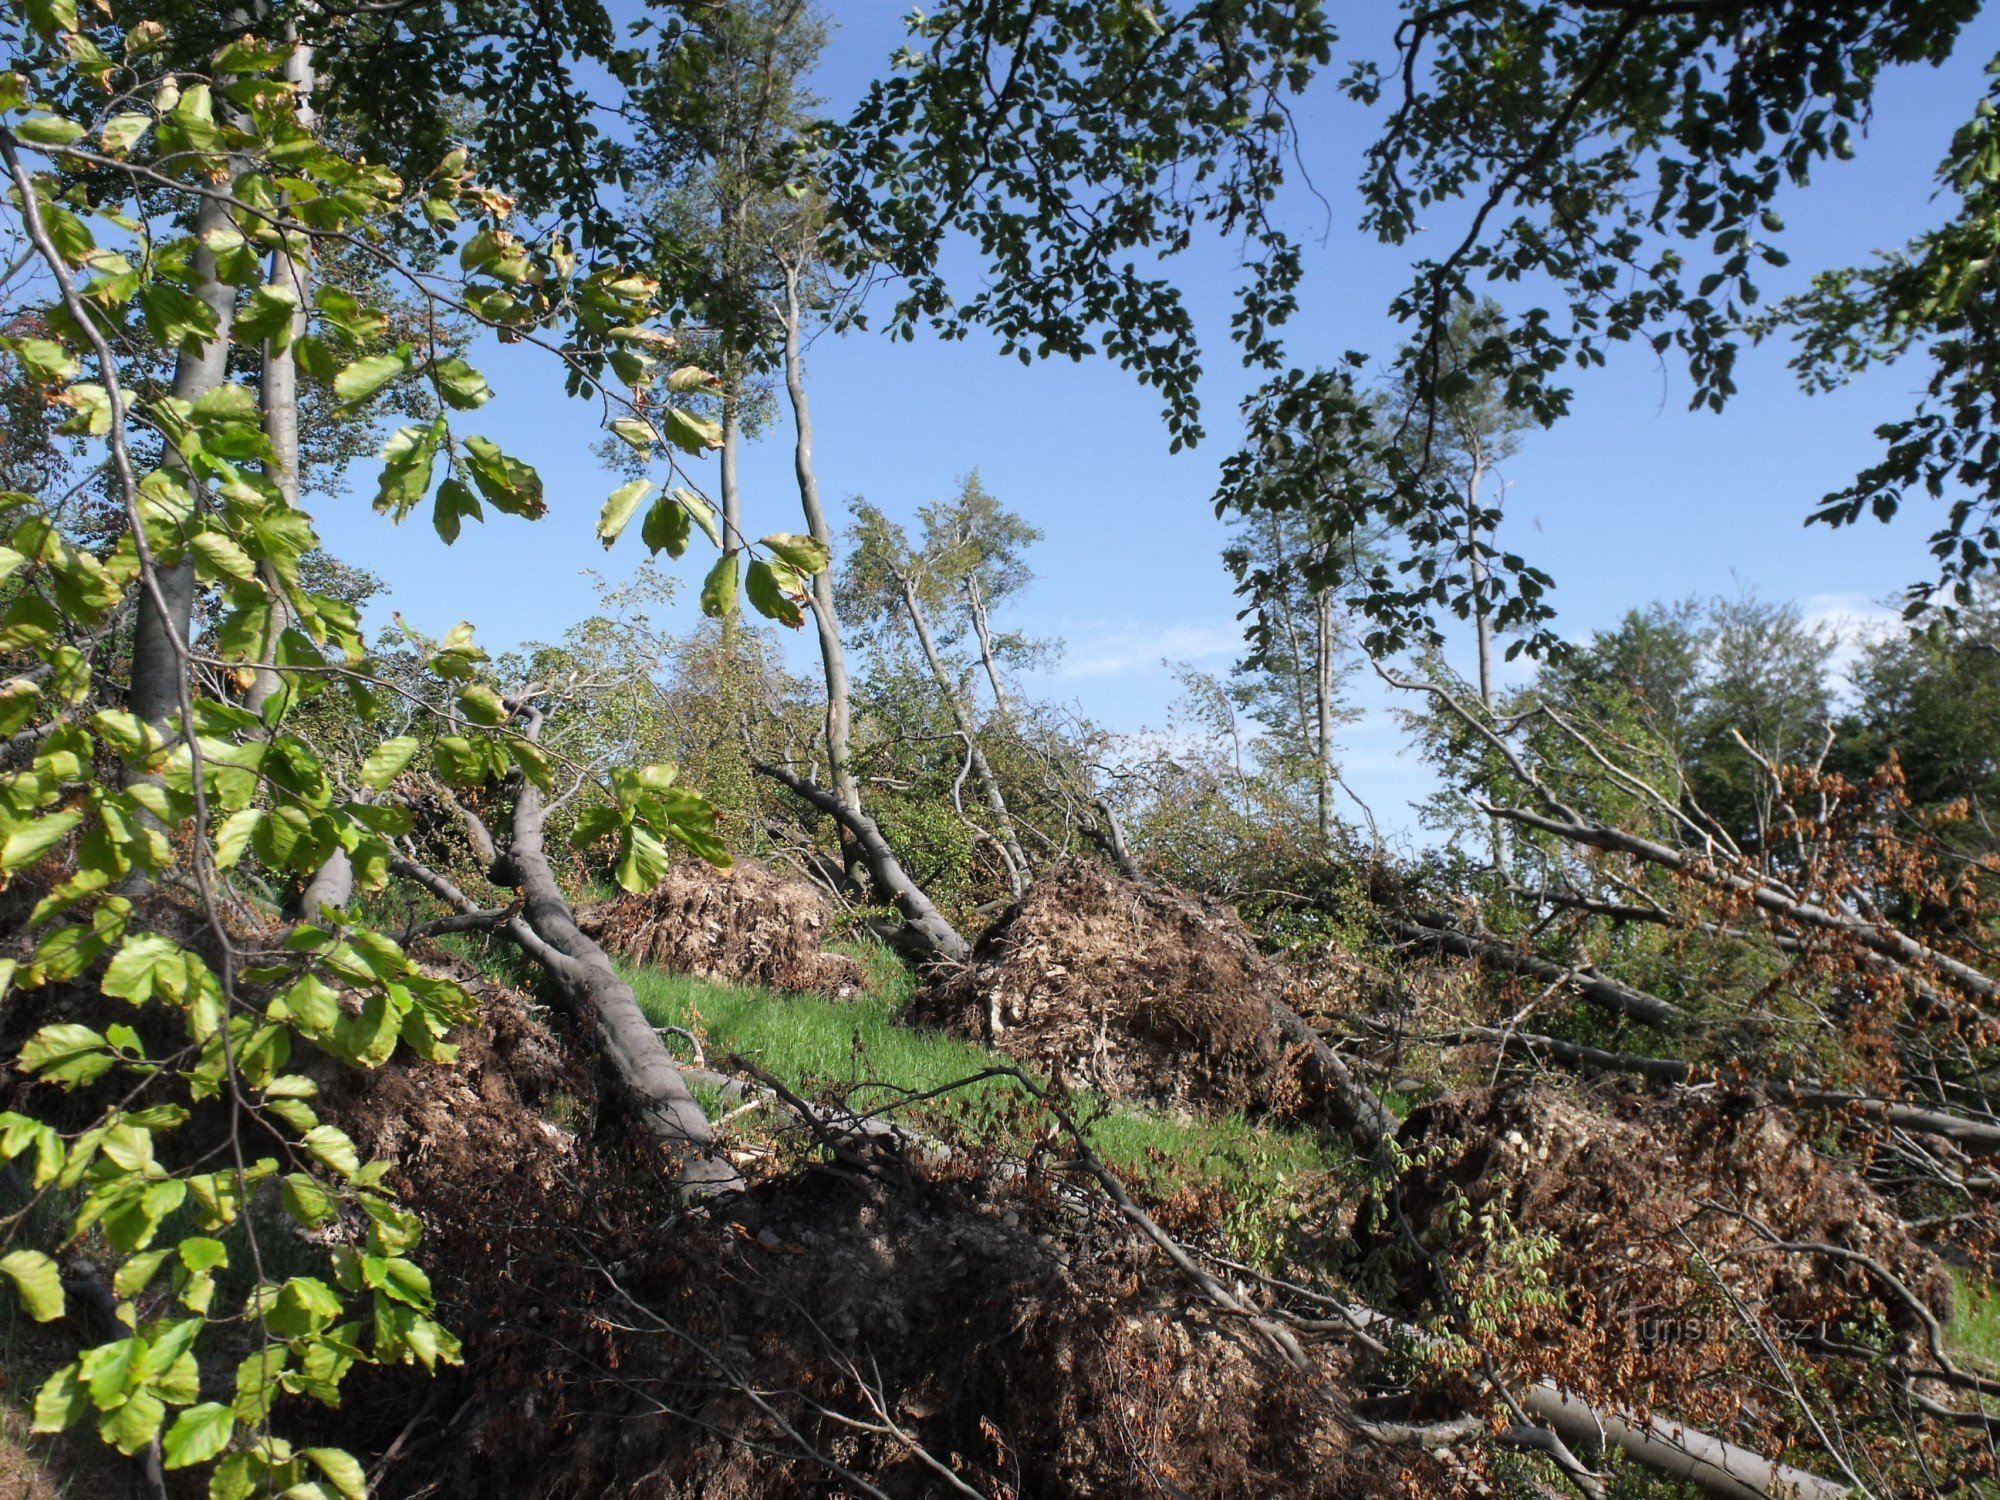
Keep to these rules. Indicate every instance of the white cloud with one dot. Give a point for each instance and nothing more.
(1130, 648)
(1854, 619)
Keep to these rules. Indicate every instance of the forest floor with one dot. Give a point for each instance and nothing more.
(860, 1048)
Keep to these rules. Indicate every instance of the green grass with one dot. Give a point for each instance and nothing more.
(1974, 1333)
(814, 1043)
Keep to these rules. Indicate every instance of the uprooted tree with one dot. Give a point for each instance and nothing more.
(254, 864)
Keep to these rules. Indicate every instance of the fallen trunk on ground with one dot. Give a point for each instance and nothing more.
(1599, 989)
(1978, 1136)
(584, 982)
(925, 936)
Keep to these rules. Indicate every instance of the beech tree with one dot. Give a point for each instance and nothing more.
(214, 187)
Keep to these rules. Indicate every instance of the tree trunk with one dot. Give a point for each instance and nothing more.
(291, 267)
(926, 936)
(1323, 706)
(833, 656)
(1482, 618)
(976, 602)
(1354, 1108)
(989, 785)
(587, 983)
(729, 480)
(158, 643)
(1600, 990)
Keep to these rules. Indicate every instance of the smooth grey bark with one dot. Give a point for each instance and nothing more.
(1482, 618)
(925, 934)
(1657, 1442)
(1108, 833)
(975, 601)
(1323, 712)
(291, 268)
(1600, 990)
(989, 785)
(588, 986)
(159, 643)
(826, 619)
(332, 885)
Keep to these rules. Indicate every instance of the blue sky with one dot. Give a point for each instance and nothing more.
(1633, 498)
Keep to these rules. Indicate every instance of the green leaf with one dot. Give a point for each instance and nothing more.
(48, 130)
(667, 527)
(122, 132)
(387, 760)
(367, 375)
(455, 503)
(463, 387)
(109, 1370)
(219, 556)
(718, 590)
(342, 1471)
(692, 433)
(806, 554)
(198, 1434)
(46, 361)
(38, 1281)
(28, 842)
(268, 316)
(481, 704)
(619, 508)
(200, 1254)
(306, 1201)
(771, 589)
(234, 836)
(636, 432)
(702, 512)
(642, 860)
(134, 1275)
(409, 459)
(330, 1145)
(66, 1053)
(134, 1424)
(61, 1400)
(507, 483)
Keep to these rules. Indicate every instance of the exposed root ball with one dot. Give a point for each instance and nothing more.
(746, 925)
(1139, 992)
(1660, 1227)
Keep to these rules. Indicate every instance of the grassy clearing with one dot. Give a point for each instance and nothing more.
(813, 1043)
(1974, 1333)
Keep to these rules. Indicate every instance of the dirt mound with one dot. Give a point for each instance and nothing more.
(746, 925)
(1661, 1226)
(1139, 992)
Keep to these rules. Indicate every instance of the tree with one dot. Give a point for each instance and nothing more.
(725, 123)
(971, 549)
(1300, 653)
(214, 182)
(1626, 157)
(1933, 702)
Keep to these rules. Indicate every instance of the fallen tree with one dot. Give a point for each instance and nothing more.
(1599, 989)
(925, 936)
(1978, 1136)
(584, 981)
